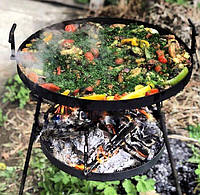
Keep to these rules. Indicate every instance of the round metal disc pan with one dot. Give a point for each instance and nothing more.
(121, 175)
(99, 104)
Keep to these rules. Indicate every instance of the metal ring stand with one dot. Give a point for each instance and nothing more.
(35, 126)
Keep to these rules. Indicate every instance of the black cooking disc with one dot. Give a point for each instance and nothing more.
(121, 175)
(100, 104)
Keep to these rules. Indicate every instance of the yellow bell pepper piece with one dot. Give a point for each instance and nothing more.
(123, 41)
(110, 98)
(66, 92)
(136, 94)
(144, 43)
(134, 41)
(48, 37)
(137, 87)
(95, 97)
(28, 45)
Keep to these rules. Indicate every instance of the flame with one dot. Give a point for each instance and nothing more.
(57, 110)
(110, 126)
(63, 110)
(100, 150)
(80, 167)
(148, 116)
(73, 109)
(141, 154)
(76, 166)
(116, 151)
(104, 113)
(129, 117)
(94, 170)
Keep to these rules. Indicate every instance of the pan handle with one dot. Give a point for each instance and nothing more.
(11, 40)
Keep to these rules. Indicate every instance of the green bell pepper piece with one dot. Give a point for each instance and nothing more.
(178, 78)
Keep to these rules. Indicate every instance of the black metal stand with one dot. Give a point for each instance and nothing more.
(164, 130)
(31, 141)
(34, 134)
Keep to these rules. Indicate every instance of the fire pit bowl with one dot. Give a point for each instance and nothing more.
(89, 104)
(102, 146)
(121, 175)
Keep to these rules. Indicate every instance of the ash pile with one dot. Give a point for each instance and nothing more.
(102, 142)
(162, 172)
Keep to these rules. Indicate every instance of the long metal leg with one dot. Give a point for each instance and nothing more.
(173, 166)
(32, 139)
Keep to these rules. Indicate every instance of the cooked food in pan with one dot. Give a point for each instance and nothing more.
(105, 62)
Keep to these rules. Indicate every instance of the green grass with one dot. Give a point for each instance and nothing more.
(180, 2)
(16, 92)
(194, 132)
(52, 181)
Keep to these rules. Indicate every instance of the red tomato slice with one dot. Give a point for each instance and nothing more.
(152, 91)
(89, 56)
(67, 41)
(70, 28)
(75, 92)
(162, 59)
(89, 89)
(33, 77)
(50, 87)
(158, 68)
(160, 52)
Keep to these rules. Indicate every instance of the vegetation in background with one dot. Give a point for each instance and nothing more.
(51, 180)
(82, 1)
(180, 2)
(7, 177)
(194, 132)
(16, 91)
(144, 184)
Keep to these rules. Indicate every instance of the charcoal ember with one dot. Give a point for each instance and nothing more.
(162, 173)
